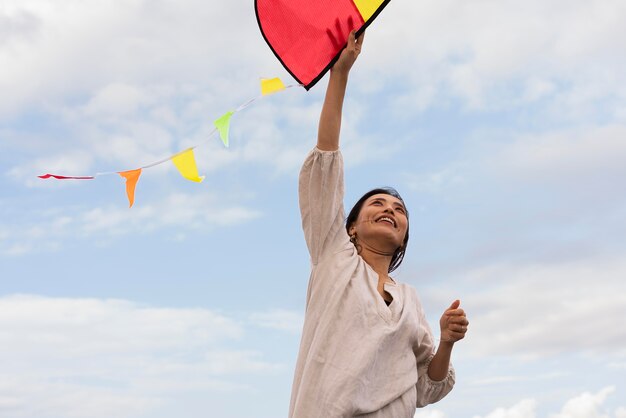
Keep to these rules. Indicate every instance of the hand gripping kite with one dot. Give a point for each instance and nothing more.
(307, 36)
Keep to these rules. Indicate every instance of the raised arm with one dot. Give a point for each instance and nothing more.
(320, 186)
(330, 118)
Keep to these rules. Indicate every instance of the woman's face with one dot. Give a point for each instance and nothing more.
(382, 222)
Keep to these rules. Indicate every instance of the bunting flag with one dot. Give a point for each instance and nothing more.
(223, 126)
(185, 162)
(131, 176)
(56, 176)
(271, 85)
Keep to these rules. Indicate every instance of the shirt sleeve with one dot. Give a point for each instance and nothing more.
(429, 391)
(321, 192)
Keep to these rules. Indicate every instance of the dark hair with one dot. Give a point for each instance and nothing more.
(398, 255)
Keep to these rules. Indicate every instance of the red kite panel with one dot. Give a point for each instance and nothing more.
(307, 36)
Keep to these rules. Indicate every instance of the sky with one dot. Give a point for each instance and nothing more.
(502, 124)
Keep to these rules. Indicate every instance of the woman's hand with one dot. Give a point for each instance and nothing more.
(349, 54)
(453, 323)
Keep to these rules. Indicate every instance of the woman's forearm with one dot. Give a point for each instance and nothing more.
(439, 365)
(330, 118)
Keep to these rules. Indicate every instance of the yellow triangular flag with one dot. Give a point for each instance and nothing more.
(185, 162)
(223, 126)
(131, 176)
(271, 85)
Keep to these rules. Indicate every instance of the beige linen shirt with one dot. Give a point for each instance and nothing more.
(358, 356)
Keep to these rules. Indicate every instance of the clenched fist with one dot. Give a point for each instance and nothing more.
(453, 323)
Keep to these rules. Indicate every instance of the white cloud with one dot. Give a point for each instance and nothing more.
(69, 163)
(83, 44)
(586, 405)
(577, 158)
(537, 88)
(500, 55)
(618, 365)
(178, 211)
(60, 321)
(579, 164)
(429, 414)
(98, 358)
(17, 27)
(531, 198)
(279, 319)
(435, 182)
(116, 99)
(523, 409)
(534, 310)
(498, 380)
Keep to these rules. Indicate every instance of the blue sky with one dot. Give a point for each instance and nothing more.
(503, 125)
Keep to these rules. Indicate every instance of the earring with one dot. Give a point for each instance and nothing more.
(354, 242)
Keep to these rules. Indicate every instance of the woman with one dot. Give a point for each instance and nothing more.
(366, 347)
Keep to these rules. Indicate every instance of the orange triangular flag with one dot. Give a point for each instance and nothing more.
(131, 176)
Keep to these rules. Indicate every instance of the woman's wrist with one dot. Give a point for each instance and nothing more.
(339, 74)
(446, 344)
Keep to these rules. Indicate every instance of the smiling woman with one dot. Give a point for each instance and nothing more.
(371, 199)
(366, 347)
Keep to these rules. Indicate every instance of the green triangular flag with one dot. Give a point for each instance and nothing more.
(223, 125)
